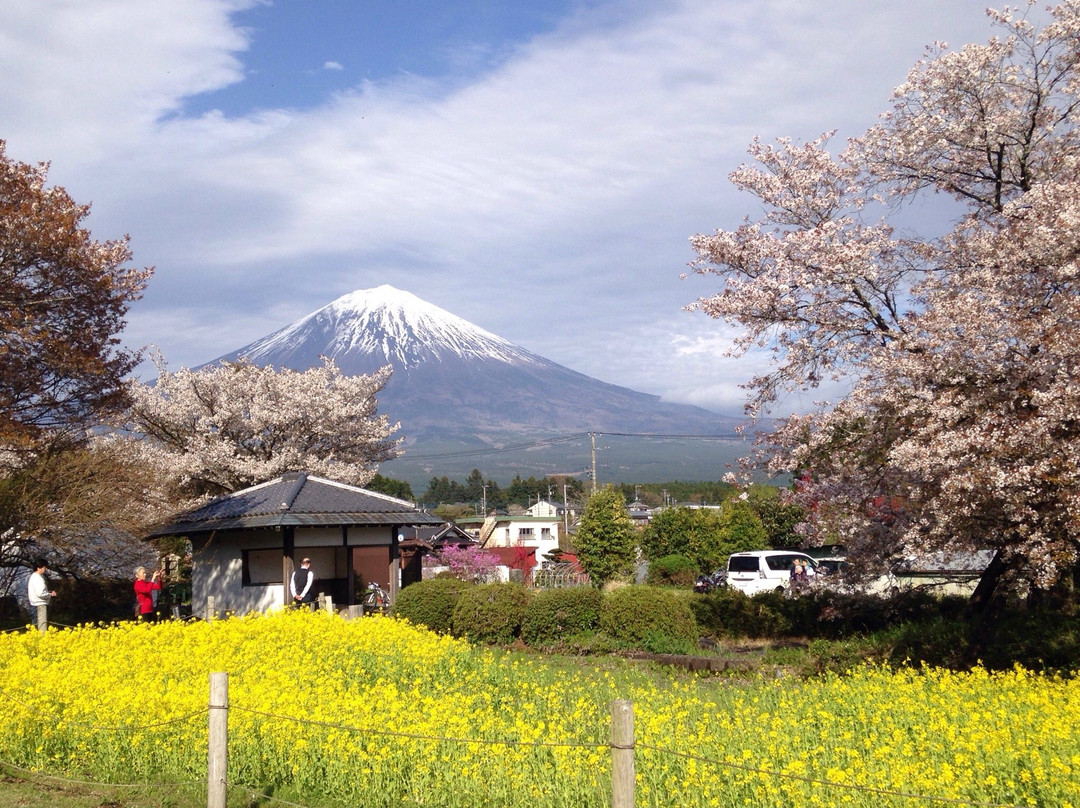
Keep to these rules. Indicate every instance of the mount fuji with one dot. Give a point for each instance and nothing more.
(457, 388)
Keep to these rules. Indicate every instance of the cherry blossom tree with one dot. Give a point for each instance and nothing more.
(960, 430)
(225, 427)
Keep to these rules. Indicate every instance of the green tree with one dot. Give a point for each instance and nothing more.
(707, 536)
(442, 490)
(669, 531)
(473, 489)
(779, 518)
(606, 537)
(741, 529)
(391, 487)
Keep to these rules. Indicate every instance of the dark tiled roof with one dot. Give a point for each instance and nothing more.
(296, 499)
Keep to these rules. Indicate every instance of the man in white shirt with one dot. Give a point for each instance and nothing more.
(300, 585)
(39, 593)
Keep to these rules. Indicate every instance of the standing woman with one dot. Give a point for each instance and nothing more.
(144, 593)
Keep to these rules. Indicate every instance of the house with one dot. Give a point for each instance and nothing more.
(244, 544)
(640, 514)
(521, 542)
(545, 509)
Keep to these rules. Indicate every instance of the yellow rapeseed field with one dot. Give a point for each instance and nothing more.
(376, 712)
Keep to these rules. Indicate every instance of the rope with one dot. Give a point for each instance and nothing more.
(30, 774)
(412, 736)
(177, 720)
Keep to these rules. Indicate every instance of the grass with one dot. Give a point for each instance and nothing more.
(19, 790)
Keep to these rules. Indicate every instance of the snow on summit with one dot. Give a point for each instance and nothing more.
(389, 323)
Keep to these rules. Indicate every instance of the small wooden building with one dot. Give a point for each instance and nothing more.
(245, 544)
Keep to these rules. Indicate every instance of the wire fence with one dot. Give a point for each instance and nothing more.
(621, 743)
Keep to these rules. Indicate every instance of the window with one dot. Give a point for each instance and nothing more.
(545, 533)
(262, 567)
(525, 532)
(743, 564)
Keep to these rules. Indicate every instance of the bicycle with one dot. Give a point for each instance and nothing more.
(376, 600)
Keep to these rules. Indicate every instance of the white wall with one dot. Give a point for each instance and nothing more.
(218, 565)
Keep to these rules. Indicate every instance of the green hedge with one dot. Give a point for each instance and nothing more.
(431, 603)
(729, 613)
(673, 570)
(553, 615)
(657, 620)
(491, 613)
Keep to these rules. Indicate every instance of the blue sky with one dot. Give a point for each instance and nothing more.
(537, 168)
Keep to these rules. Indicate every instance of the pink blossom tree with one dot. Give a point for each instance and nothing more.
(225, 427)
(467, 563)
(960, 430)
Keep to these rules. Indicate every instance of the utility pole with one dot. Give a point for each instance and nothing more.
(592, 436)
(485, 501)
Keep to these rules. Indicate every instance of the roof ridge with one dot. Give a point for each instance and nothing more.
(293, 491)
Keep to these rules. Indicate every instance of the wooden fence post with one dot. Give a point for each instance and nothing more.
(210, 609)
(622, 754)
(42, 617)
(217, 763)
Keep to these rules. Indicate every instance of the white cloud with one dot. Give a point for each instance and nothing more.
(333, 66)
(549, 201)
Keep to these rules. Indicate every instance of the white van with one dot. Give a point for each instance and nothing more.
(765, 570)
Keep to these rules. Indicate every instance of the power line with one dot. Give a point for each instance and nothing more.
(516, 447)
(543, 442)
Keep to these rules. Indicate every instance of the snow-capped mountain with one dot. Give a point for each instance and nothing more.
(369, 328)
(455, 384)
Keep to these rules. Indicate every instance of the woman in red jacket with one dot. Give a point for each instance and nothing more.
(144, 593)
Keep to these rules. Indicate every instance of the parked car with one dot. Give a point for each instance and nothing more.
(760, 571)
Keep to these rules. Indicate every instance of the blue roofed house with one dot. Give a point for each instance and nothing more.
(245, 544)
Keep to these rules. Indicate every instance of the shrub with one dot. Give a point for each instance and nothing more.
(673, 570)
(728, 612)
(430, 603)
(657, 620)
(491, 613)
(556, 614)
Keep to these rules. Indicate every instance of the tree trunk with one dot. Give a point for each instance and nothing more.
(981, 599)
(980, 610)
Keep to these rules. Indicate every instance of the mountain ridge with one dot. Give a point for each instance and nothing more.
(457, 385)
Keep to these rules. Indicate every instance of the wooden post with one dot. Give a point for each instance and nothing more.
(328, 603)
(622, 754)
(42, 617)
(211, 609)
(217, 764)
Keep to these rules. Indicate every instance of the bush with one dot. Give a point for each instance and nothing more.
(727, 612)
(430, 603)
(491, 613)
(656, 620)
(673, 570)
(557, 614)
